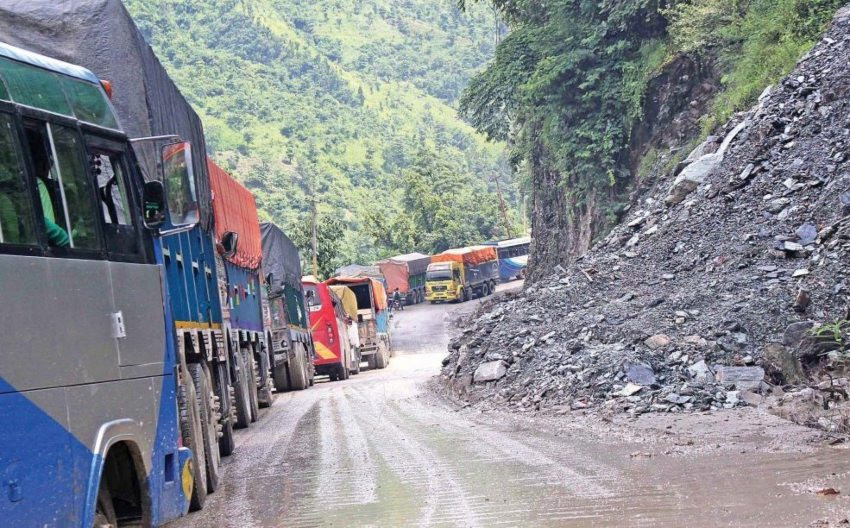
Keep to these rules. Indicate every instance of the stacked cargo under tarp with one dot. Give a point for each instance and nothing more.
(407, 274)
(235, 211)
(469, 256)
(101, 36)
(282, 265)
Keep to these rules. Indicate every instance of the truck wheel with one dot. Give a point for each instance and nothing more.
(280, 376)
(466, 295)
(356, 368)
(381, 359)
(343, 371)
(371, 361)
(264, 394)
(298, 376)
(191, 433)
(253, 383)
(226, 444)
(241, 388)
(209, 422)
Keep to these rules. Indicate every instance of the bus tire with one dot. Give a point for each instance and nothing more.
(209, 422)
(298, 375)
(226, 444)
(104, 515)
(253, 383)
(192, 435)
(241, 388)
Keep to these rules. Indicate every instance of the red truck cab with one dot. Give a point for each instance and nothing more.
(329, 324)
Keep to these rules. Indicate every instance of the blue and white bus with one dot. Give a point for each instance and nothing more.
(513, 257)
(98, 415)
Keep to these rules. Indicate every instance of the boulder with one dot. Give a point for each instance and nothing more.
(701, 373)
(490, 371)
(657, 341)
(640, 374)
(795, 333)
(692, 177)
(743, 378)
(784, 363)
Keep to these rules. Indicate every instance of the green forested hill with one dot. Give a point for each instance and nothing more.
(340, 99)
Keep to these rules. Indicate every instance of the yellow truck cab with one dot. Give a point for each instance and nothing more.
(459, 274)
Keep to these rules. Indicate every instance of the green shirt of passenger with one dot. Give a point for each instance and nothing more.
(56, 236)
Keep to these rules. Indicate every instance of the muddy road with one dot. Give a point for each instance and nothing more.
(382, 450)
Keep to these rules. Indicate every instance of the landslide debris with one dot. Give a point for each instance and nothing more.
(726, 284)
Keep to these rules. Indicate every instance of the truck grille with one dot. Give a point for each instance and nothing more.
(438, 288)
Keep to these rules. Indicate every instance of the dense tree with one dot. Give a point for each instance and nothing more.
(353, 96)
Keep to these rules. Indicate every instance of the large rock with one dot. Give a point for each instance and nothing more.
(657, 341)
(743, 378)
(490, 371)
(701, 373)
(640, 374)
(784, 362)
(692, 177)
(695, 174)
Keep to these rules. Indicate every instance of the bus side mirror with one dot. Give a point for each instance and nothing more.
(228, 243)
(154, 204)
(179, 178)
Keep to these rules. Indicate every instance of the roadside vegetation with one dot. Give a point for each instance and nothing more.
(570, 82)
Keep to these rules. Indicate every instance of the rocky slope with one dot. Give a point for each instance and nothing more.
(726, 285)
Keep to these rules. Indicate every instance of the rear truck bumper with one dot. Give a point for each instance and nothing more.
(326, 369)
(368, 350)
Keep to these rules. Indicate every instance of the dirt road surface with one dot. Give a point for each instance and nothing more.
(382, 450)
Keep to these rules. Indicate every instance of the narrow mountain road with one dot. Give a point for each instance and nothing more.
(381, 450)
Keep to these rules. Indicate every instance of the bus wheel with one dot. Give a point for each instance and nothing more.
(253, 384)
(226, 444)
(298, 376)
(104, 516)
(241, 388)
(209, 422)
(192, 433)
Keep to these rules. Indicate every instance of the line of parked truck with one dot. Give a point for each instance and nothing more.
(455, 275)
(148, 313)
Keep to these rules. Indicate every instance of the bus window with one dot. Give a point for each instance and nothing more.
(64, 187)
(16, 214)
(109, 169)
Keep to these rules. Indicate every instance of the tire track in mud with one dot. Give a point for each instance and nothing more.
(273, 456)
(414, 464)
(548, 464)
(348, 477)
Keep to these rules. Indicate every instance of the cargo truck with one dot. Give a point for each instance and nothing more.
(329, 323)
(407, 273)
(285, 312)
(372, 318)
(456, 275)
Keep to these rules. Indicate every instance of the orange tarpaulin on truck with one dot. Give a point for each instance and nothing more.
(471, 256)
(379, 294)
(234, 209)
(396, 274)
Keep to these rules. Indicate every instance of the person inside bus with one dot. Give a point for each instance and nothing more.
(56, 235)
